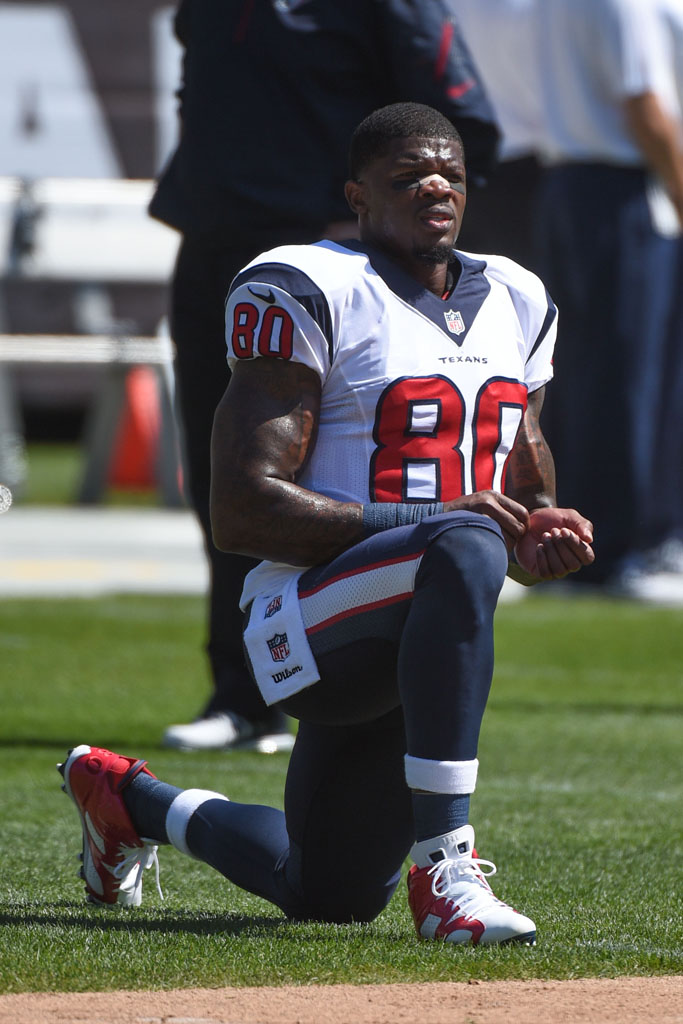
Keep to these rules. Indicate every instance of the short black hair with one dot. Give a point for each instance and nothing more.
(397, 121)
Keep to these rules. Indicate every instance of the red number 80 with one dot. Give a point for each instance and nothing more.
(419, 430)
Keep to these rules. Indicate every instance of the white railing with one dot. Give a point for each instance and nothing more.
(96, 233)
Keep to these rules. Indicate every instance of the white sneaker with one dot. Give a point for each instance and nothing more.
(638, 584)
(451, 899)
(667, 557)
(224, 730)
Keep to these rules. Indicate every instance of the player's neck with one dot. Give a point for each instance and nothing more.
(433, 276)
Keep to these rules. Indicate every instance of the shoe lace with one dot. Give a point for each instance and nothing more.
(449, 876)
(140, 858)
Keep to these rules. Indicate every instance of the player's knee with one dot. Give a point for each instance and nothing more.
(358, 895)
(468, 564)
(357, 907)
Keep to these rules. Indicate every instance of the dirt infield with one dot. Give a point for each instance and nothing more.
(592, 1001)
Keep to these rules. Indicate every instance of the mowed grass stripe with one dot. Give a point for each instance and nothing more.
(578, 803)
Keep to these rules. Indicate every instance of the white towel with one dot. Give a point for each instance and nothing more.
(277, 645)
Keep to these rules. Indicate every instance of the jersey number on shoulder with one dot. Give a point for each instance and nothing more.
(273, 337)
(419, 431)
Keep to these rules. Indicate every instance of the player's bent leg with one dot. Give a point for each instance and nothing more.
(336, 853)
(449, 893)
(247, 843)
(445, 663)
(349, 809)
(441, 635)
(126, 812)
(407, 617)
(349, 817)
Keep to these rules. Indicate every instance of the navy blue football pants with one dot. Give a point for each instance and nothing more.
(410, 670)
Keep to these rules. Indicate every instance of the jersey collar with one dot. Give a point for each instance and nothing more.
(454, 315)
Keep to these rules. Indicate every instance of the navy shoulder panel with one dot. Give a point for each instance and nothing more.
(298, 285)
(549, 317)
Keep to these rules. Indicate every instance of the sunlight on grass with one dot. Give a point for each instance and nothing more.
(578, 804)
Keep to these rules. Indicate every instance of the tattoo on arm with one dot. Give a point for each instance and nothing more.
(530, 477)
(264, 433)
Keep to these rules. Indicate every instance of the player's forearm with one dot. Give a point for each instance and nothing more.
(282, 522)
(531, 482)
(656, 135)
(530, 478)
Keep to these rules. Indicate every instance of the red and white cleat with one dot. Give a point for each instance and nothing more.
(114, 855)
(451, 899)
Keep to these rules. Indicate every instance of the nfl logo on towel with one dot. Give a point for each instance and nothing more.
(454, 321)
(279, 647)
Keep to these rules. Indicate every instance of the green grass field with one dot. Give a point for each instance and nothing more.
(53, 477)
(579, 803)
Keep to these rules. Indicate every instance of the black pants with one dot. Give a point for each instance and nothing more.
(500, 216)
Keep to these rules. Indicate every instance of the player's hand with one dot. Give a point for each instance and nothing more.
(512, 517)
(557, 542)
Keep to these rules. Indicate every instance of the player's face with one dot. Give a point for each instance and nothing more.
(411, 200)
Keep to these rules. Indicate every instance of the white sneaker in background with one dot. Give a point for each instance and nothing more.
(637, 583)
(224, 730)
(667, 557)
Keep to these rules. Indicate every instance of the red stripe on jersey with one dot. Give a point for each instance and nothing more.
(361, 568)
(444, 48)
(456, 91)
(358, 611)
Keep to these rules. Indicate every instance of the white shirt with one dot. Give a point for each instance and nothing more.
(671, 12)
(593, 55)
(502, 37)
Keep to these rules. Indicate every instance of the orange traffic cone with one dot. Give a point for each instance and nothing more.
(134, 458)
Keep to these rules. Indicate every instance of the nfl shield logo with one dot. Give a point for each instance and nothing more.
(279, 647)
(274, 606)
(454, 321)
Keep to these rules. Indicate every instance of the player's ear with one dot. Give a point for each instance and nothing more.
(355, 196)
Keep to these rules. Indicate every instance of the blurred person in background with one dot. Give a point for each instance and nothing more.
(608, 223)
(666, 553)
(501, 35)
(271, 92)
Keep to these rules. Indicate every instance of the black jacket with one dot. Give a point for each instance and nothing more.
(273, 89)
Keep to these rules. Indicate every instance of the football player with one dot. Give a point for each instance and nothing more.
(379, 450)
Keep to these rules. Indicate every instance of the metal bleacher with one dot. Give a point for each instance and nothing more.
(95, 233)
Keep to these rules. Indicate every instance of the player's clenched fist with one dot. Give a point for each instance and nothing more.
(557, 542)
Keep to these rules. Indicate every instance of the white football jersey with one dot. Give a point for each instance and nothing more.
(421, 397)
